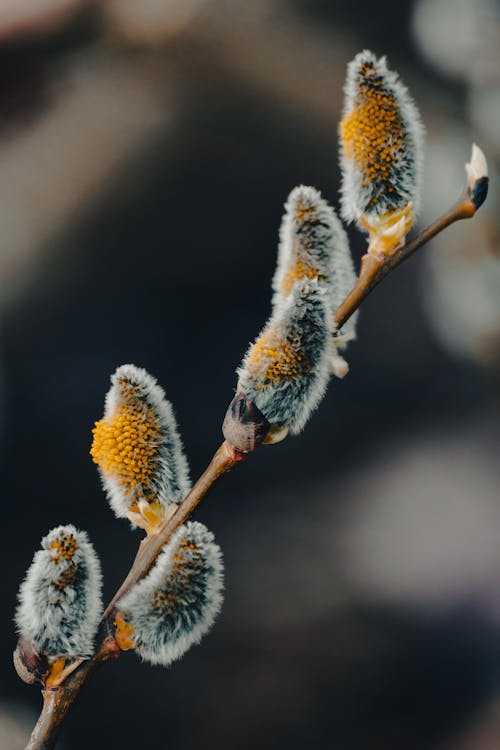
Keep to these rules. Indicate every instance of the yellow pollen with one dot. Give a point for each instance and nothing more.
(304, 212)
(179, 555)
(298, 272)
(275, 361)
(125, 446)
(63, 548)
(372, 133)
(124, 632)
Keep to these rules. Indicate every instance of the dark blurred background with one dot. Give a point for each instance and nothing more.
(146, 151)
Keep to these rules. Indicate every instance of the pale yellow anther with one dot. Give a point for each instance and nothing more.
(388, 231)
(147, 516)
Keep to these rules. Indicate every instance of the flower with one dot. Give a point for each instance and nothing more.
(314, 245)
(60, 598)
(138, 450)
(286, 370)
(381, 138)
(173, 607)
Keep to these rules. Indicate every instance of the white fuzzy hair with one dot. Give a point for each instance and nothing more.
(171, 480)
(320, 242)
(407, 182)
(61, 621)
(304, 321)
(161, 638)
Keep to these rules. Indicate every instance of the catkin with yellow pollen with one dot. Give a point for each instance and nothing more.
(381, 137)
(63, 547)
(314, 245)
(305, 249)
(285, 371)
(176, 603)
(372, 135)
(126, 446)
(138, 449)
(60, 599)
(273, 359)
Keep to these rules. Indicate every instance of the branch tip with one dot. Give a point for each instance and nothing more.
(477, 176)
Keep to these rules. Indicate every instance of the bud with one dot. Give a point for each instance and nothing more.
(173, 607)
(138, 450)
(477, 176)
(285, 372)
(30, 666)
(245, 427)
(60, 598)
(381, 138)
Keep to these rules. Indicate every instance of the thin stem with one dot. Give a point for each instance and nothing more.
(58, 701)
(376, 268)
(46, 729)
(370, 266)
(223, 461)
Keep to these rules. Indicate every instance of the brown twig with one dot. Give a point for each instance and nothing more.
(225, 458)
(58, 701)
(375, 268)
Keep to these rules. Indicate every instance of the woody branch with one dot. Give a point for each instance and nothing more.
(59, 700)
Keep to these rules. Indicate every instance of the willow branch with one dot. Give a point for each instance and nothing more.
(248, 427)
(225, 458)
(374, 268)
(58, 701)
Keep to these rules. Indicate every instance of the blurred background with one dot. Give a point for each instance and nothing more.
(146, 151)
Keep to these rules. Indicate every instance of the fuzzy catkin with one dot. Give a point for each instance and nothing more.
(314, 245)
(381, 139)
(137, 445)
(177, 602)
(60, 598)
(286, 370)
